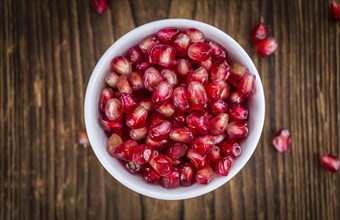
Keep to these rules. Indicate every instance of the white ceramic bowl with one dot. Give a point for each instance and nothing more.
(98, 138)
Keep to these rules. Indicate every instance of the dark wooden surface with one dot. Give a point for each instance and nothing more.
(48, 50)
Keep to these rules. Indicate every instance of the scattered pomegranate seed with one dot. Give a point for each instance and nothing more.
(171, 180)
(100, 5)
(282, 141)
(151, 176)
(182, 135)
(82, 138)
(204, 175)
(330, 162)
(267, 47)
(167, 35)
(237, 129)
(335, 10)
(187, 174)
(195, 35)
(259, 33)
(223, 166)
(161, 164)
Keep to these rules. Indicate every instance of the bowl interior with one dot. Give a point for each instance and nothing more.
(98, 138)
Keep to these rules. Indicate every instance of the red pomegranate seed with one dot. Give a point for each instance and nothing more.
(157, 145)
(235, 97)
(105, 95)
(162, 55)
(218, 50)
(204, 175)
(160, 131)
(82, 138)
(187, 174)
(220, 70)
(238, 112)
(207, 64)
(134, 167)
(113, 142)
(151, 176)
(199, 75)
(147, 43)
(135, 55)
(198, 124)
(143, 66)
(215, 89)
(113, 109)
(166, 109)
(183, 67)
(137, 118)
(121, 65)
(214, 156)
(136, 80)
(218, 124)
(123, 85)
(223, 166)
(167, 35)
(203, 144)
(169, 76)
(237, 71)
(237, 129)
(246, 87)
(125, 150)
(161, 164)
(200, 51)
(231, 148)
(259, 33)
(197, 159)
(182, 135)
(142, 154)
(197, 95)
(100, 5)
(171, 180)
(139, 133)
(176, 151)
(111, 79)
(109, 125)
(335, 10)
(282, 140)
(146, 103)
(267, 47)
(195, 35)
(162, 93)
(330, 162)
(129, 102)
(156, 118)
(181, 44)
(179, 117)
(179, 98)
(151, 79)
(219, 138)
(218, 107)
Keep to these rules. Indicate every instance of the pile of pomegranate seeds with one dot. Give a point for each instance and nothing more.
(173, 108)
(265, 46)
(335, 10)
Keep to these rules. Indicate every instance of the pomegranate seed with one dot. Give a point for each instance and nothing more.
(203, 144)
(200, 51)
(267, 47)
(176, 151)
(105, 95)
(197, 95)
(146, 103)
(137, 118)
(259, 33)
(166, 109)
(246, 87)
(135, 55)
(121, 65)
(179, 117)
(220, 70)
(207, 64)
(181, 44)
(183, 67)
(235, 97)
(237, 129)
(204, 175)
(138, 133)
(218, 107)
(199, 75)
(100, 5)
(223, 166)
(136, 80)
(113, 109)
(147, 43)
(335, 10)
(231, 148)
(238, 112)
(111, 79)
(161, 164)
(156, 118)
(151, 176)
(179, 98)
(217, 50)
(282, 140)
(198, 124)
(182, 135)
(237, 71)
(143, 66)
(82, 138)
(109, 125)
(160, 131)
(171, 180)
(218, 124)
(169, 76)
(214, 156)
(187, 174)
(134, 167)
(157, 145)
(113, 142)
(195, 35)
(123, 85)
(142, 154)
(196, 159)
(162, 93)
(125, 150)
(151, 79)
(219, 138)
(129, 103)
(330, 162)
(162, 55)
(167, 35)
(215, 89)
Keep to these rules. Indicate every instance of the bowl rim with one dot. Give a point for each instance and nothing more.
(88, 111)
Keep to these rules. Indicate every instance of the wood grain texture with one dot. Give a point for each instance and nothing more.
(48, 50)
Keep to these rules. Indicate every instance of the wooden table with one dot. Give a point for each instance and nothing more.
(48, 51)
